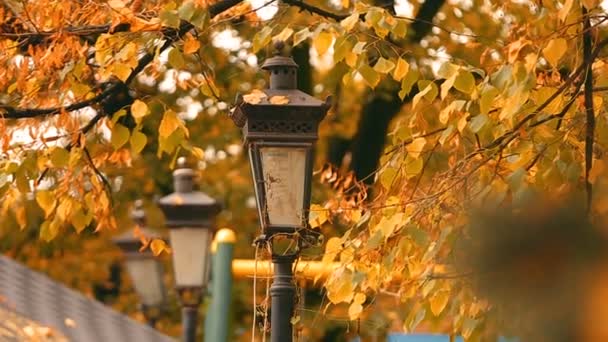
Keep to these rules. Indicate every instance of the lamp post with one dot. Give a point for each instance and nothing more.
(144, 269)
(190, 216)
(279, 131)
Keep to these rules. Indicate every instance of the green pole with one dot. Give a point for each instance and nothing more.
(221, 288)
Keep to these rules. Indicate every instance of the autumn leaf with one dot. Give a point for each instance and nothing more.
(354, 311)
(191, 44)
(284, 35)
(322, 42)
(301, 36)
(565, 10)
(138, 141)
(139, 109)
(349, 22)
(198, 153)
(255, 97)
(279, 100)
(439, 301)
(60, 157)
(401, 69)
(340, 289)
(370, 76)
(555, 50)
(158, 246)
(169, 123)
(384, 66)
(79, 220)
(416, 147)
(318, 215)
(120, 136)
(47, 201)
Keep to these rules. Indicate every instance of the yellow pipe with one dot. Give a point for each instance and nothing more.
(246, 268)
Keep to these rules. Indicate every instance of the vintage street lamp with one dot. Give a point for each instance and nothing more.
(280, 128)
(190, 216)
(144, 269)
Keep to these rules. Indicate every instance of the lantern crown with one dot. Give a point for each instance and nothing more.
(281, 112)
(283, 70)
(138, 215)
(187, 207)
(127, 241)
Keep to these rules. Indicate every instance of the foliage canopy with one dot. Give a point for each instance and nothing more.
(500, 100)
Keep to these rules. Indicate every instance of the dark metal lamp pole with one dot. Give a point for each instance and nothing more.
(280, 128)
(190, 216)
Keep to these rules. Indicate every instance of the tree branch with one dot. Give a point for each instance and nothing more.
(588, 95)
(171, 35)
(23, 113)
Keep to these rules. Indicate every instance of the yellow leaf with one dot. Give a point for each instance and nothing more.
(301, 35)
(354, 311)
(416, 147)
(121, 71)
(563, 12)
(384, 66)
(79, 220)
(208, 88)
(284, 35)
(158, 246)
(138, 141)
(21, 216)
(401, 69)
(191, 44)
(387, 176)
(46, 200)
(439, 301)
(370, 76)
(332, 248)
(355, 215)
(465, 82)
(420, 94)
(116, 4)
(345, 3)
(49, 230)
(340, 288)
(317, 216)
(555, 50)
(120, 136)
(255, 96)
(169, 124)
(598, 168)
(262, 38)
(279, 100)
(176, 59)
(349, 22)
(359, 298)
(60, 157)
(322, 42)
(590, 4)
(198, 153)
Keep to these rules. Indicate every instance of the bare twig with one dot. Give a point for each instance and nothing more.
(100, 175)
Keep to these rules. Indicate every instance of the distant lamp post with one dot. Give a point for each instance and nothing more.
(190, 216)
(144, 269)
(280, 129)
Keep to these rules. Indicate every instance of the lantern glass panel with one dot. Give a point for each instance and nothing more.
(146, 275)
(284, 175)
(190, 249)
